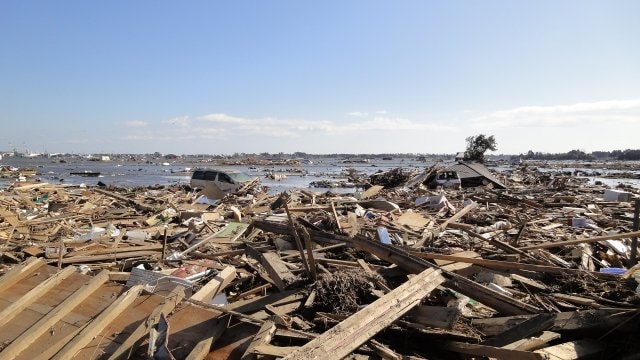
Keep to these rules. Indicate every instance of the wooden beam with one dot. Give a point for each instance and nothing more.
(493, 352)
(504, 265)
(135, 338)
(205, 294)
(504, 304)
(310, 258)
(501, 245)
(533, 343)
(529, 327)
(564, 321)
(34, 294)
(202, 348)
(215, 285)
(363, 264)
(348, 335)
(157, 247)
(457, 216)
(573, 350)
(277, 270)
(19, 272)
(109, 257)
(434, 316)
(262, 337)
(582, 241)
(296, 237)
(95, 327)
(43, 325)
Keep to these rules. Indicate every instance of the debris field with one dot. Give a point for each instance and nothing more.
(527, 265)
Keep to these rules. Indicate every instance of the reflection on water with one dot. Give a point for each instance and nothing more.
(130, 174)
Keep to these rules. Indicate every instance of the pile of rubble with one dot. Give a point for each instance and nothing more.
(545, 269)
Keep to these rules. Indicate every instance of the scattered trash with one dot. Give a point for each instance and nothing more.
(407, 269)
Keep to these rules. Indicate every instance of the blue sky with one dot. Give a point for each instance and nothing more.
(321, 77)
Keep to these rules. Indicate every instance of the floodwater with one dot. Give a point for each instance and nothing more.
(131, 174)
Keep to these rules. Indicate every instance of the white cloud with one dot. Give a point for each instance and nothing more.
(358, 114)
(611, 112)
(271, 126)
(136, 123)
(381, 112)
(226, 127)
(182, 121)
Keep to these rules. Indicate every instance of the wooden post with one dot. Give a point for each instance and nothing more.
(60, 250)
(634, 240)
(312, 261)
(296, 237)
(164, 246)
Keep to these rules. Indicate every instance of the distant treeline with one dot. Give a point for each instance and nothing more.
(628, 154)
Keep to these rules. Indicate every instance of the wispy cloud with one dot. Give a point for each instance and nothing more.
(271, 126)
(136, 123)
(612, 112)
(358, 114)
(182, 121)
(219, 125)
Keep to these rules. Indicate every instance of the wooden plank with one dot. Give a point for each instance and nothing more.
(119, 276)
(494, 352)
(457, 216)
(262, 337)
(215, 285)
(503, 265)
(44, 324)
(205, 294)
(564, 321)
(363, 264)
(434, 316)
(501, 245)
(463, 268)
(582, 241)
(572, 350)
(98, 324)
(258, 303)
(34, 294)
(296, 237)
(533, 343)
(19, 272)
(573, 299)
(275, 351)
(117, 250)
(309, 246)
(504, 304)
(348, 335)
(110, 257)
(277, 270)
(132, 342)
(202, 348)
(529, 327)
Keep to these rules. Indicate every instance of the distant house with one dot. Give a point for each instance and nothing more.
(475, 174)
(460, 156)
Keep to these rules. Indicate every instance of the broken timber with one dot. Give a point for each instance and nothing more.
(348, 335)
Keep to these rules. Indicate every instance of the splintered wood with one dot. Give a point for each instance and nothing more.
(544, 268)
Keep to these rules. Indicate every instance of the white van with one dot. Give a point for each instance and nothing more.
(219, 181)
(448, 179)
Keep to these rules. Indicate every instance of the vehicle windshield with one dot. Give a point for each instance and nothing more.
(239, 177)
